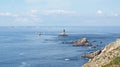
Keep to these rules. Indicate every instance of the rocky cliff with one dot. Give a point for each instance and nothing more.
(108, 53)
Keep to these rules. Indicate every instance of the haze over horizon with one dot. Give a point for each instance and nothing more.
(59, 13)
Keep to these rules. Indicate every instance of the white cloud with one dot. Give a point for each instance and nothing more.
(26, 19)
(5, 14)
(30, 16)
(99, 12)
(115, 14)
(21, 19)
(8, 14)
(59, 12)
(32, 13)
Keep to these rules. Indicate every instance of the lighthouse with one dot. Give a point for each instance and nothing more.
(63, 33)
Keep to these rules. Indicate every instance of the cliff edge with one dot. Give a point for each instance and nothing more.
(108, 53)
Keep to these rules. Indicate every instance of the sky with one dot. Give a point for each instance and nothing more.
(59, 13)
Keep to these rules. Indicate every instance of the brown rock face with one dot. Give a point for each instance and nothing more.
(107, 54)
(83, 41)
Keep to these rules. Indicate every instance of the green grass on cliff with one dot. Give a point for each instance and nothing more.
(114, 63)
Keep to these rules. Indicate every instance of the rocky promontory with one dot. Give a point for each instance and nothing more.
(106, 55)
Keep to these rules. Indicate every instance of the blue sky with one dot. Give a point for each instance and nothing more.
(59, 13)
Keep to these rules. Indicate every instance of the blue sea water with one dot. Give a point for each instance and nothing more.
(23, 47)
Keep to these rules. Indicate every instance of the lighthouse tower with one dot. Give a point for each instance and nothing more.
(63, 33)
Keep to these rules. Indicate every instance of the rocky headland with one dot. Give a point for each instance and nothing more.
(104, 56)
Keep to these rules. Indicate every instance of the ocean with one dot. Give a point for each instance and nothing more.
(23, 46)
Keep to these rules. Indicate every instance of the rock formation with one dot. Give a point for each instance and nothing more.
(92, 55)
(94, 47)
(82, 42)
(107, 54)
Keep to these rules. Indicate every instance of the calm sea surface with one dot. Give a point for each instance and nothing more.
(23, 47)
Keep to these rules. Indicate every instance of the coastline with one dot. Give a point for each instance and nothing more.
(108, 53)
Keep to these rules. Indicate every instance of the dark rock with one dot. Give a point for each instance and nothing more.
(92, 55)
(101, 42)
(94, 41)
(94, 46)
(68, 42)
(40, 34)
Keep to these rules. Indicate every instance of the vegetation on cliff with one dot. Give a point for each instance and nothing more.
(114, 63)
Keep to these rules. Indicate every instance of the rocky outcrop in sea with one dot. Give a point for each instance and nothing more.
(82, 42)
